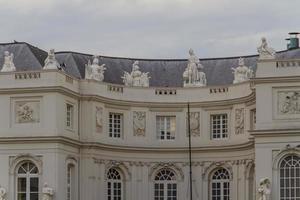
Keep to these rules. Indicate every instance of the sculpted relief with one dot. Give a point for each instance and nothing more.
(239, 121)
(47, 192)
(139, 123)
(194, 123)
(2, 193)
(99, 119)
(264, 190)
(27, 112)
(289, 102)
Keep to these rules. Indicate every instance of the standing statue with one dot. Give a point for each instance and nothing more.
(94, 70)
(264, 51)
(264, 190)
(242, 72)
(192, 77)
(51, 62)
(2, 193)
(47, 192)
(136, 77)
(8, 65)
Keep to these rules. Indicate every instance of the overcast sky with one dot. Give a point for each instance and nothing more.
(150, 28)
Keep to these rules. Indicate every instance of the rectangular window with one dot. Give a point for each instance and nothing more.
(69, 115)
(219, 126)
(115, 125)
(166, 127)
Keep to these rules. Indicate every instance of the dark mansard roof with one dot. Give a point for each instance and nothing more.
(163, 72)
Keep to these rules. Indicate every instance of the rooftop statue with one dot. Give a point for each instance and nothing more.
(264, 51)
(264, 190)
(192, 76)
(51, 62)
(242, 72)
(8, 65)
(47, 192)
(94, 70)
(136, 77)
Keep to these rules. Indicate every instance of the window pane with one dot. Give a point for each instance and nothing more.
(21, 184)
(34, 184)
(21, 196)
(34, 196)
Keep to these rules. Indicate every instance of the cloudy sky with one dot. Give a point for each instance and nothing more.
(150, 28)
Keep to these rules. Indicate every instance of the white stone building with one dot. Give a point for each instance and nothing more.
(102, 140)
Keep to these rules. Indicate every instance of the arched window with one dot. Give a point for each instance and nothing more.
(71, 182)
(220, 185)
(27, 182)
(165, 185)
(290, 178)
(114, 185)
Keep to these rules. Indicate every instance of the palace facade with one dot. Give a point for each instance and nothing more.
(80, 127)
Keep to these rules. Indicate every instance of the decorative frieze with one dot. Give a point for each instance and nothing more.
(27, 112)
(194, 123)
(239, 121)
(99, 119)
(288, 102)
(139, 123)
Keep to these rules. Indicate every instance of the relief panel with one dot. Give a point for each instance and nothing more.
(139, 123)
(194, 123)
(27, 111)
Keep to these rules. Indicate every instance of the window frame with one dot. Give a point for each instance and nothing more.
(221, 182)
(28, 176)
(165, 185)
(228, 120)
(164, 137)
(111, 183)
(72, 116)
(111, 129)
(295, 178)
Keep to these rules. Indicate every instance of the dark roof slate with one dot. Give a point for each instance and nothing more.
(163, 72)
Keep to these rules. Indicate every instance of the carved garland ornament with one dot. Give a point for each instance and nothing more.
(194, 123)
(239, 121)
(99, 119)
(139, 123)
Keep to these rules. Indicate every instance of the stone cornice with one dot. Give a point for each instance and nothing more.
(68, 92)
(130, 149)
(289, 79)
(274, 132)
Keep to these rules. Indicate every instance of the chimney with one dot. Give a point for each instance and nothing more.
(293, 41)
